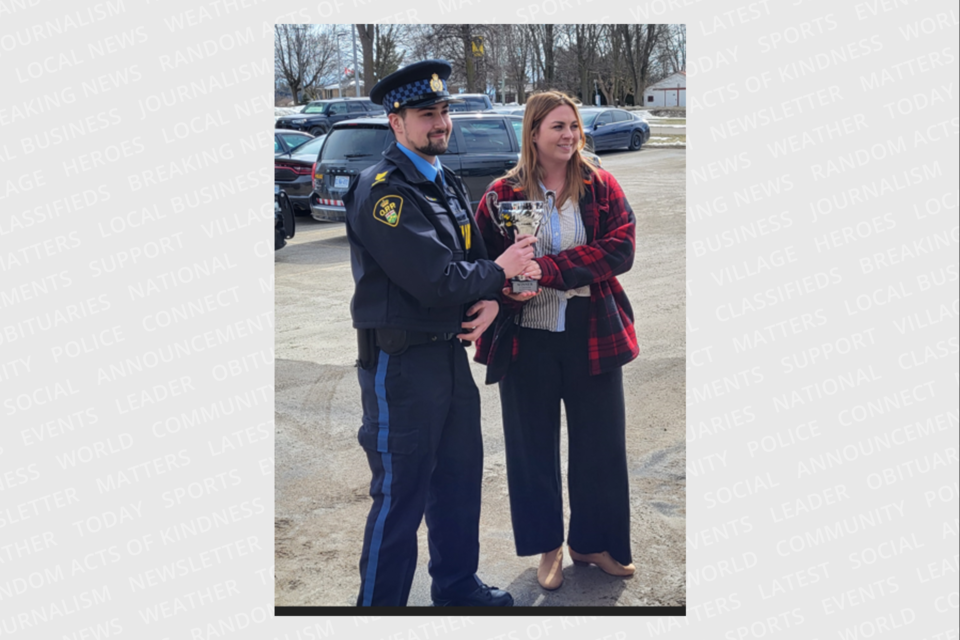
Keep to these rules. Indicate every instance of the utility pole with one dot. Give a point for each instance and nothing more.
(356, 78)
(340, 67)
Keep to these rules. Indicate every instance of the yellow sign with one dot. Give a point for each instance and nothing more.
(387, 210)
(478, 47)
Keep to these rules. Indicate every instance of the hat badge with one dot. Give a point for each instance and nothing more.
(436, 84)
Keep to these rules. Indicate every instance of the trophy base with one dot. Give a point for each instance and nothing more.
(524, 286)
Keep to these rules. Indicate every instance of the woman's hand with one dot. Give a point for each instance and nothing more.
(532, 271)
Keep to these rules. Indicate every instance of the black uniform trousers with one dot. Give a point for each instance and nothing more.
(550, 367)
(421, 434)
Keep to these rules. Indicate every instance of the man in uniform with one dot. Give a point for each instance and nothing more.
(423, 285)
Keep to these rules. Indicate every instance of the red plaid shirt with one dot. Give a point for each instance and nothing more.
(611, 229)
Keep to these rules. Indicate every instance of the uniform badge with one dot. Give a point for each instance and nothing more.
(387, 210)
(381, 177)
(436, 84)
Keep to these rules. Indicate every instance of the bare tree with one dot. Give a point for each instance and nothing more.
(303, 55)
(381, 52)
(639, 42)
(517, 45)
(543, 53)
(675, 49)
(586, 38)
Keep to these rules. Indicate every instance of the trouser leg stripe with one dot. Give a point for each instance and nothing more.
(382, 437)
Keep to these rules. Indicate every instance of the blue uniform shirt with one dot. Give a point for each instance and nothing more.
(428, 170)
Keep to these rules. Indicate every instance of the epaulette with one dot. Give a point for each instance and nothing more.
(381, 178)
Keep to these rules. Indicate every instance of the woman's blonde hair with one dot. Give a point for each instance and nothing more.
(528, 174)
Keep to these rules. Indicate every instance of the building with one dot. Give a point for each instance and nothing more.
(349, 91)
(669, 92)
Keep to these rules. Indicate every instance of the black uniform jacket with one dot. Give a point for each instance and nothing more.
(411, 261)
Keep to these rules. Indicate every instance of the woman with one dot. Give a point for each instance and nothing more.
(567, 342)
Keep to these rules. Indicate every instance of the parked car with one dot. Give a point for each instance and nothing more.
(471, 102)
(481, 149)
(293, 171)
(285, 140)
(318, 116)
(284, 224)
(510, 110)
(610, 128)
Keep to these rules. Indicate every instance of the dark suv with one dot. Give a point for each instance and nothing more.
(318, 116)
(471, 102)
(483, 147)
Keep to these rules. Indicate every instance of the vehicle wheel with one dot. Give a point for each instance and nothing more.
(636, 140)
(588, 144)
(317, 131)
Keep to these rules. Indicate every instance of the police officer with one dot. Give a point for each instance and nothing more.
(423, 285)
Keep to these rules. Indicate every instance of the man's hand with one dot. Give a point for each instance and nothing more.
(486, 311)
(534, 273)
(519, 297)
(517, 256)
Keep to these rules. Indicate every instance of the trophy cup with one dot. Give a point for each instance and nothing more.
(519, 217)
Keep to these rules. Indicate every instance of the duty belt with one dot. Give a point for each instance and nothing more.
(396, 341)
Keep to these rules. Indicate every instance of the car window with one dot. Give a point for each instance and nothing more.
(354, 142)
(472, 103)
(518, 129)
(485, 136)
(589, 117)
(337, 108)
(356, 107)
(294, 139)
(276, 144)
(314, 107)
(622, 116)
(311, 146)
(453, 146)
(605, 118)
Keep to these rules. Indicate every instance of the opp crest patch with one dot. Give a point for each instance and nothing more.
(387, 210)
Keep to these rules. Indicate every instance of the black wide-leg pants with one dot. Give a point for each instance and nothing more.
(552, 367)
(421, 434)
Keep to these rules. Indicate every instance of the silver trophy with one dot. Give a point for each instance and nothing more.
(520, 217)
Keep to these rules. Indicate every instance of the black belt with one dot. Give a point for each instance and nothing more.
(418, 337)
(396, 341)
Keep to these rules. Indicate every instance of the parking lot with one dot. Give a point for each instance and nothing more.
(322, 478)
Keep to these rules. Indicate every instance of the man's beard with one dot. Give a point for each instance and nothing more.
(434, 148)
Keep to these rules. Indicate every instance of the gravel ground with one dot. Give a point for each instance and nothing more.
(322, 478)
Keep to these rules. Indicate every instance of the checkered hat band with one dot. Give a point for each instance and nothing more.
(415, 90)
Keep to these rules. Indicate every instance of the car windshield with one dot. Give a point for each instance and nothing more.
(310, 146)
(589, 117)
(315, 107)
(355, 142)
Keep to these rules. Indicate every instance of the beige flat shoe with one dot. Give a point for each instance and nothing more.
(604, 561)
(550, 573)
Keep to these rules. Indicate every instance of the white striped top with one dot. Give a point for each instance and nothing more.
(561, 230)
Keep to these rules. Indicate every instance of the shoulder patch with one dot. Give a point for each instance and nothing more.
(387, 210)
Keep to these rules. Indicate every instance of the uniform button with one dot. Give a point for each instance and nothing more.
(434, 338)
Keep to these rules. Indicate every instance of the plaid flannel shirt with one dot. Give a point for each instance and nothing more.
(611, 230)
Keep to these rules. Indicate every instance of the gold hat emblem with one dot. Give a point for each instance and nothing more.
(436, 84)
(396, 105)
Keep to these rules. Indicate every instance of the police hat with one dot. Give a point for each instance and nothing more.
(419, 85)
